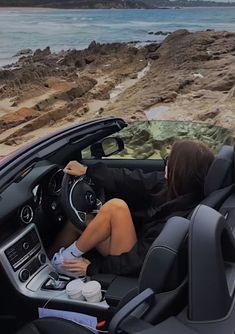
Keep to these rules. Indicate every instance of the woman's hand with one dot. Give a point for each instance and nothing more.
(75, 168)
(76, 266)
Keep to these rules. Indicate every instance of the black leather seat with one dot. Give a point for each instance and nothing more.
(221, 172)
(163, 268)
(211, 255)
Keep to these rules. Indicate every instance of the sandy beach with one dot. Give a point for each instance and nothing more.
(189, 76)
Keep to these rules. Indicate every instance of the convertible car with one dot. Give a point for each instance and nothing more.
(187, 281)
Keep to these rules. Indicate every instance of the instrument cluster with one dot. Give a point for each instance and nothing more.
(55, 182)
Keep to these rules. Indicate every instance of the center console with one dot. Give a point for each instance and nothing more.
(29, 270)
(23, 257)
(25, 262)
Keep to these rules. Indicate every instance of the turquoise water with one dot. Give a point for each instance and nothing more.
(66, 29)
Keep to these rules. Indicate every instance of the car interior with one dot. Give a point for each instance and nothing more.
(187, 281)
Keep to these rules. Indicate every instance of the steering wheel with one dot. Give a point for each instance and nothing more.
(79, 198)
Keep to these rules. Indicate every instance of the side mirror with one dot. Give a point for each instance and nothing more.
(107, 147)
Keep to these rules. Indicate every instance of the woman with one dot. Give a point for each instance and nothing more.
(122, 241)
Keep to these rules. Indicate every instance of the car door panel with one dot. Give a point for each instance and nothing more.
(145, 165)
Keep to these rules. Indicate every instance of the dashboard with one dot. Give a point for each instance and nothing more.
(31, 215)
(33, 197)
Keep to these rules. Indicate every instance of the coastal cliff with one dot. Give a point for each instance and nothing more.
(189, 76)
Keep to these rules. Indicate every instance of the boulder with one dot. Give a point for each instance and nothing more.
(23, 52)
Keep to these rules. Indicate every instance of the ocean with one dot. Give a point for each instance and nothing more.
(69, 29)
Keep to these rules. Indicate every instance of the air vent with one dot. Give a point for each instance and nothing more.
(26, 214)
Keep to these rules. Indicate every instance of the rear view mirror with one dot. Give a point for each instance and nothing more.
(107, 147)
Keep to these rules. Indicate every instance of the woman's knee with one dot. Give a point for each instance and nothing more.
(115, 204)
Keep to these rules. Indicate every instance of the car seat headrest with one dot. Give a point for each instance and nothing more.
(220, 173)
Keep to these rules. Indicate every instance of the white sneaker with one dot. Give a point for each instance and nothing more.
(57, 262)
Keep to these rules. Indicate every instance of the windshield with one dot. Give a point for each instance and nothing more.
(61, 66)
(153, 139)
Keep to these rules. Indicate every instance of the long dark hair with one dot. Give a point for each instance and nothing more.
(187, 167)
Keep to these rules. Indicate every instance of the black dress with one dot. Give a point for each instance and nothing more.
(139, 190)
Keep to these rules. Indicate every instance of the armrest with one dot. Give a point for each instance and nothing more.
(119, 288)
(141, 301)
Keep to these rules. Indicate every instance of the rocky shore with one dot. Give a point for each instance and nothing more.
(189, 76)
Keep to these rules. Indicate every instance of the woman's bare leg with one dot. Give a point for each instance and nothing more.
(111, 232)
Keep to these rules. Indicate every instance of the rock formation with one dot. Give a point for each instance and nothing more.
(190, 76)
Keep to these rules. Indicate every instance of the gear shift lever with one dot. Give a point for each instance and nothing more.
(55, 282)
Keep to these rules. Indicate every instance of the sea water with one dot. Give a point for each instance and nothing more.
(68, 29)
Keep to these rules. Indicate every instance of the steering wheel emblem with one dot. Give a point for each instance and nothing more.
(90, 198)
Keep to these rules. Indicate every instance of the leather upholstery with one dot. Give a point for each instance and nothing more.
(221, 172)
(161, 269)
(211, 255)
